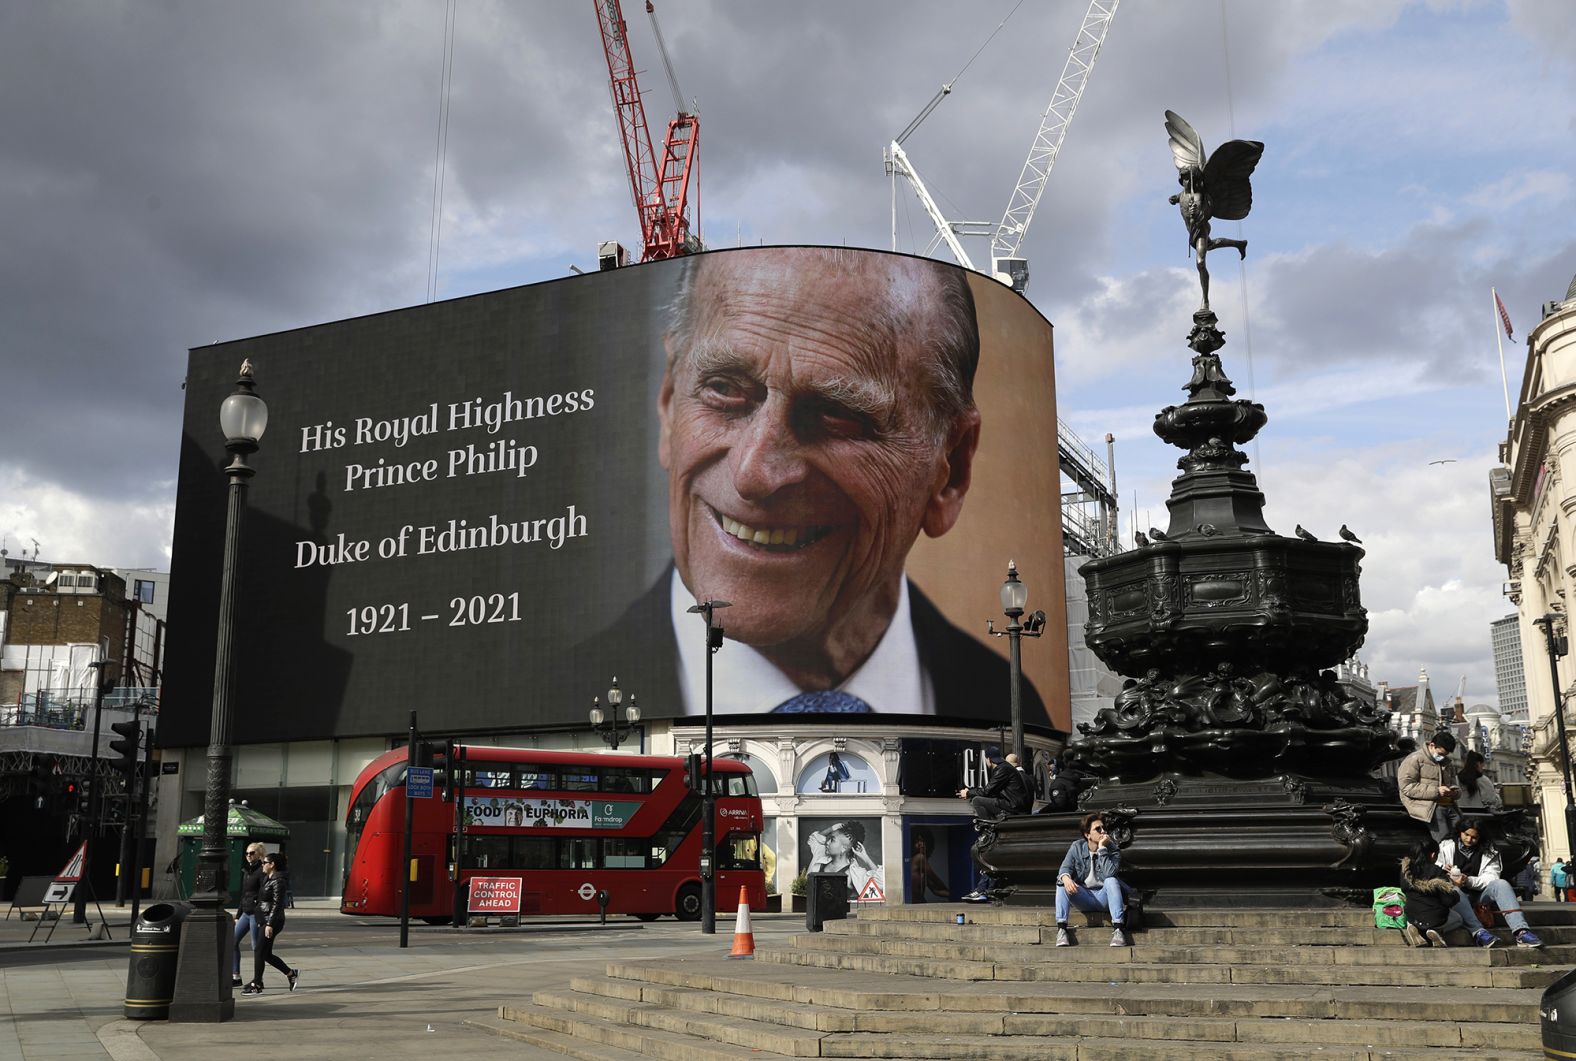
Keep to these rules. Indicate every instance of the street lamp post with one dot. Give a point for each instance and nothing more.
(96, 781)
(202, 992)
(1014, 596)
(606, 724)
(708, 837)
(1557, 647)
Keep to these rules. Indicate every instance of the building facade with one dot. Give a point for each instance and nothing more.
(64, 628)
(1532, 494)
(1509, 673)
(899, 783)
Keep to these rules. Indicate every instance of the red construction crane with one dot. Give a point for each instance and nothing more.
(660, 187)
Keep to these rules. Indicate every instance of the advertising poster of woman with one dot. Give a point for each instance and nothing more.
(850, 846)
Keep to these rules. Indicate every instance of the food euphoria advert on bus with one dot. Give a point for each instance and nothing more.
(548, 813)
(495, 503)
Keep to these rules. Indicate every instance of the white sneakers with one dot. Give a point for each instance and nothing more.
(1118, 938)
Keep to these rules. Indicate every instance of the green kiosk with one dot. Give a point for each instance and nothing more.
(243, 826)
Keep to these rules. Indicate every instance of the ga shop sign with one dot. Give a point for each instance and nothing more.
(516, 811)
(494, 895)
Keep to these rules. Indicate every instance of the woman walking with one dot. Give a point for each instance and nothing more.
(271, 912)
(246, 922)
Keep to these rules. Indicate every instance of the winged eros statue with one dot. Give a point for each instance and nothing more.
(1215, 186)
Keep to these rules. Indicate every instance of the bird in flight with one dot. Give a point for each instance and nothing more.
(1432, 463)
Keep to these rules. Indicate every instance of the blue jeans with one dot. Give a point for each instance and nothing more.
(1503, 897)
(246, 923)
(1109, 896)
(1461, 916)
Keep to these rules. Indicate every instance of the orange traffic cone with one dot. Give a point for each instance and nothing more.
(743, 938)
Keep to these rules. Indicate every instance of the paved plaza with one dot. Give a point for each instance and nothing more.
(361, 996)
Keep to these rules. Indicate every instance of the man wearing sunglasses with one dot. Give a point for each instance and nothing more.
(1088, 881)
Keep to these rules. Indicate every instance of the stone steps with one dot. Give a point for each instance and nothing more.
(1294, 934)
(1148, 949)
(1320, 1020)
(1544, 915)
(1099, 967)
(762, 986)
(652, 1030)
(908, 982)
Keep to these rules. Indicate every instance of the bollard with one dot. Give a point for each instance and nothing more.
(602, 899)
(155, 945)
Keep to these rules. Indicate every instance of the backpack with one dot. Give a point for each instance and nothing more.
(1389, 908)
(1062, 795)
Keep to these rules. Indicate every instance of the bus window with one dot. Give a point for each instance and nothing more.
(535, 852)
(622, 779)
(624, 853)
(487, 852)
(579, 780)
(733, 785)
(489, 775)
(535, 777)
(739, 851)
(356, 819)
(578, 853)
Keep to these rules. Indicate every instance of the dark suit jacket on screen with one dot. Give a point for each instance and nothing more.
(970, 681)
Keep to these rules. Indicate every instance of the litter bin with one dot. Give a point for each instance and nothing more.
(155, 944)
(825, 899)
(1557, 1015)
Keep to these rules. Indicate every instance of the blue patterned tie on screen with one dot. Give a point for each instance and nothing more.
(826, 702)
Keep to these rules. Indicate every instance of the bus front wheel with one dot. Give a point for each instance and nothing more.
(688, 907)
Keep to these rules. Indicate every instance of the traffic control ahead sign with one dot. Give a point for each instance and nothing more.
(494, 895)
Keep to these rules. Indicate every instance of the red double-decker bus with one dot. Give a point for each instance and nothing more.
(567, 824)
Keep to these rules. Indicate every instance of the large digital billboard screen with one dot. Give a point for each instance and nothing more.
(486, 509)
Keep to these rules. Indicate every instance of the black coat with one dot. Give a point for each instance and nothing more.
(1006, 783)
(271, 900)
(970, 681)
(1429, 894)
(252, 878)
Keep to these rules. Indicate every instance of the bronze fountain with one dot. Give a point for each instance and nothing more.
(1232, 767)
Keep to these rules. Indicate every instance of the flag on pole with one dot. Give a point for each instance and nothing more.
(1504, 318)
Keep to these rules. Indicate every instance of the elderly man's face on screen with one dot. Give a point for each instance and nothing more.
(810, 431)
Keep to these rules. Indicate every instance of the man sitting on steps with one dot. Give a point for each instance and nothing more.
(1005, 792)
(1088, 881)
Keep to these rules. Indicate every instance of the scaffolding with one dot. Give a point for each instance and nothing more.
(1088, 495)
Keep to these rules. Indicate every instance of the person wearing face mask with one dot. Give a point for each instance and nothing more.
(1427, 783)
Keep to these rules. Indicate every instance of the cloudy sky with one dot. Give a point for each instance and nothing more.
(175, 172)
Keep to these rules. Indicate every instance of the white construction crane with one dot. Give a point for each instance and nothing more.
(1007, 263)
(1461, 687)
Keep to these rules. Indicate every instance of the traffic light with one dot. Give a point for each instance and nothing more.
(125, 748)
(75, 797)
(693, 773)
